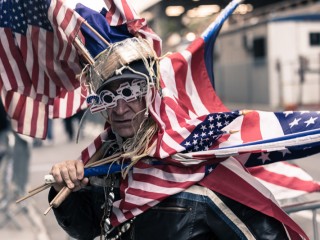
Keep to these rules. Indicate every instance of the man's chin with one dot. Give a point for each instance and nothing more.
(123, 130)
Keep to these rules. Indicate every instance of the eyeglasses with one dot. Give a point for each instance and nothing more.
(126, 91)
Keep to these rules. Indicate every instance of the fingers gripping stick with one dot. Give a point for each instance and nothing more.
(99, 169)
(59, 198)
(49, 179)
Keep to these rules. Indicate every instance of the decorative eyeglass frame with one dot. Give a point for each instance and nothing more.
(126, 91)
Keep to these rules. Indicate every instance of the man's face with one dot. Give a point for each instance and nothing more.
(125, 118)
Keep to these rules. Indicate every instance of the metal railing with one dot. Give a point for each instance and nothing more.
(313, 206)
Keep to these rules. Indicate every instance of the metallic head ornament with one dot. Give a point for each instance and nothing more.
(126, 50)
(111, 63)
(132, 58)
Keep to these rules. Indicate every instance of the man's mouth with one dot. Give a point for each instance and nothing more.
(122, 121)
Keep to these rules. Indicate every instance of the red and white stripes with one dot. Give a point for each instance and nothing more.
(38, 71)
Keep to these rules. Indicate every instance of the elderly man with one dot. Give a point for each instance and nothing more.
(125, 88)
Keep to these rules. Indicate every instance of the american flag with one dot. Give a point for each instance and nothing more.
(258, 137)
(289, 181)
(122, 12)
(187, 107)
(187, 92)
(232, 180)
(152, 180)
(196, 141)
(38, 63)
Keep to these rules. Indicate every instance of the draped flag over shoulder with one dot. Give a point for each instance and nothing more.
(38, 63)
(230, 179)
(195, 127)
(199, 139)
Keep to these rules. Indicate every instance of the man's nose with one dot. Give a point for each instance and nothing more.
(121, 107)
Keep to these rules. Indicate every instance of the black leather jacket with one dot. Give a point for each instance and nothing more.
(184, 216)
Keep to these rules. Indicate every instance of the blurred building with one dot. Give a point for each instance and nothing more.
(271, 56)
(267, 53)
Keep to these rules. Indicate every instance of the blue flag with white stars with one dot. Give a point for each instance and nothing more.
(258, 137)
(17, 15)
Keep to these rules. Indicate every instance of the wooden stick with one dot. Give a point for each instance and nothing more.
(57, 196)
(65, 191)
(24, 197)
(63, 194)
(40, 188)
(32, 193)
(96, 33)
(48, 210)
(103, 161)
(83, 51)
(58, 199)
(36, 188)
(97, 155)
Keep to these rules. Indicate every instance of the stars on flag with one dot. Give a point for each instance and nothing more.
(295, 122)
(287, 113)
(268, 157)
(264, 157)
(285, 152)
(311, 121)
(298, 121)
(206, 133)
(209, 168)
(18, 16)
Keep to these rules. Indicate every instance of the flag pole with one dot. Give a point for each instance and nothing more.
(96, 33)
(79, 45)
(65, 191)
(83, 51)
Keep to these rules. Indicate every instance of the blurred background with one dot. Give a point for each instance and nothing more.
(267, 57)
(267, 53)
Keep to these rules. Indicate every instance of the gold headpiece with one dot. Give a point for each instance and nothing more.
(111, 61)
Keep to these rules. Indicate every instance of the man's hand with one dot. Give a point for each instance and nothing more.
(69, 173)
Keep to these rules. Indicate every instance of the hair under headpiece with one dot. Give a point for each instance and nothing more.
(112, 63)
(117, 55)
